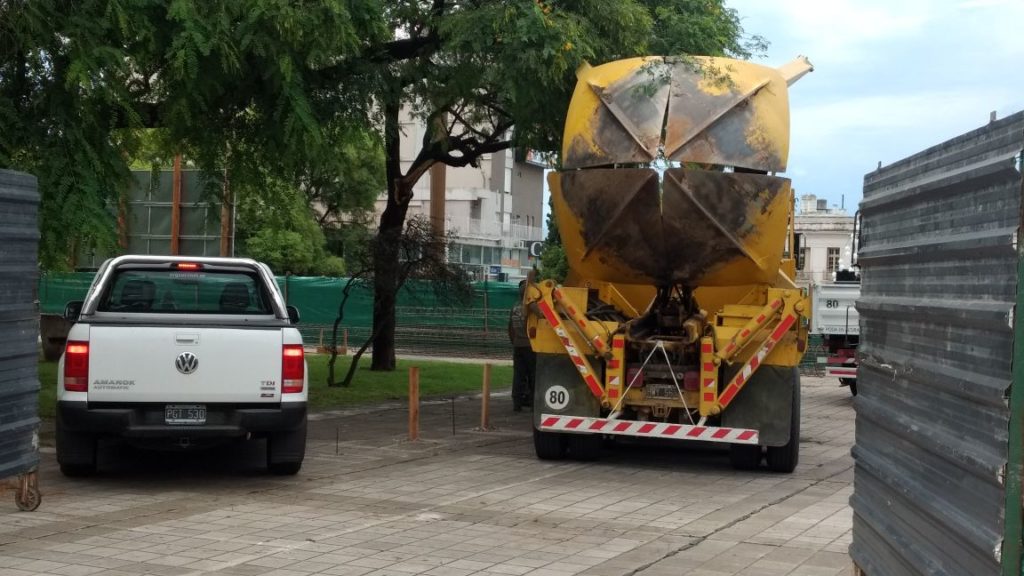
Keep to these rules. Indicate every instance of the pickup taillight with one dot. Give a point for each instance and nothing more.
(76, 366)
(293, 368)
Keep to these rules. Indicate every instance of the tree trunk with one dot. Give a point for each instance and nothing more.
(355, 362)
(385, 253)
(386, 283)
(346, 292)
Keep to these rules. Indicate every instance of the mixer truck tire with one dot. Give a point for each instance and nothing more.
(745, 456)
(549, 445)
(586, 447)
(785, 458)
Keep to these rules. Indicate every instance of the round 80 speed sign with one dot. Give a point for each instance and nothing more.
(556, 397)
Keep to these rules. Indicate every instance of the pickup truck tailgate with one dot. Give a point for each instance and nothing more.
(834, 308)
(184, 364)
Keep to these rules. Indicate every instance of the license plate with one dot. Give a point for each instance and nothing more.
(185, 414)
(661, 391)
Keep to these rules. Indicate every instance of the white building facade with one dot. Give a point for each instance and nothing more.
(827, 240)
(494, 211)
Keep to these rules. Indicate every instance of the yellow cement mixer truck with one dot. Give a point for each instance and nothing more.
(679, 318)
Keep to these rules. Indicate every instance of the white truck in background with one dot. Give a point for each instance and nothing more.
(834, 317)
(177, 353)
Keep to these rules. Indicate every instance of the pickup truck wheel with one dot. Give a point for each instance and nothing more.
(286, 450)
(76, 453)
(785, 458)
(548, 445)
(584, 446)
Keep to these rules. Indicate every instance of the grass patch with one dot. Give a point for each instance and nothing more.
(437, 378)
(47, 389)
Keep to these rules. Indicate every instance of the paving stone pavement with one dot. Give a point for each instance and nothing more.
(369, 503)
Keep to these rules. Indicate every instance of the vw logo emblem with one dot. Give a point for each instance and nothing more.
(186, 363)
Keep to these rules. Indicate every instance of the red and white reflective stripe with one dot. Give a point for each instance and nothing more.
(574, 354)
(552, 423)
(709, 376)
(595, 340)
(741, 338)
(748, 369)
(843, 371)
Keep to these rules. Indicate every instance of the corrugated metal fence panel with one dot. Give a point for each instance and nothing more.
(19, 323)
(939, 260)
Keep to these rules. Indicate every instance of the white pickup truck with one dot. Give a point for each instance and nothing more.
(172, 352)
(834, 317)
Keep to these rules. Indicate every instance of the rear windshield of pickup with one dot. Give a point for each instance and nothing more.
(185, 292)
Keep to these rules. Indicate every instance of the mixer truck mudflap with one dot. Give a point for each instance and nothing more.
(765, 405)
(560, 390)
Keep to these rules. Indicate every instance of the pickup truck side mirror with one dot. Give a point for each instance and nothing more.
(72, 310)
(293, 314)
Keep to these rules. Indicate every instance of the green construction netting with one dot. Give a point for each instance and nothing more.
(426, 325)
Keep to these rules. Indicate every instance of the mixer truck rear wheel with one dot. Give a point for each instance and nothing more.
(784, 458)
(584, 446)
(549, 445)
(745, 456)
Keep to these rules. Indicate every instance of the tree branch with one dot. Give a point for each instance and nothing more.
(472, 153)
(406, 48)
(461, 120)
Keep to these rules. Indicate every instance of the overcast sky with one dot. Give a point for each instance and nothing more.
(891, 78)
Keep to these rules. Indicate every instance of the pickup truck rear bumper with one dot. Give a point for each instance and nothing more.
(147, 420)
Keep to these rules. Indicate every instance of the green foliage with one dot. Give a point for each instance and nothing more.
(288, 252)
(344, 180)
(554, 236)
(237, 87)
(276, 225)
(330, 265)
(283, 250)
(700, 27)
(553, 264)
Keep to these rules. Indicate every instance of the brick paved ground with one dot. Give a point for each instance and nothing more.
(367, 502)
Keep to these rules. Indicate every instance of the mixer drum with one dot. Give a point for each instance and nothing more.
(691, 227)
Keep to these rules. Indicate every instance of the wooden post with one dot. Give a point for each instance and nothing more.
(227, 211)
(321, 338)
(122, 222)
(344, 342)
(414, 403)
(485, 399)
(176, 207)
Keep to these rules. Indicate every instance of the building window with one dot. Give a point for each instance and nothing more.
(805, 253)
(833, 259)
(471, 254)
